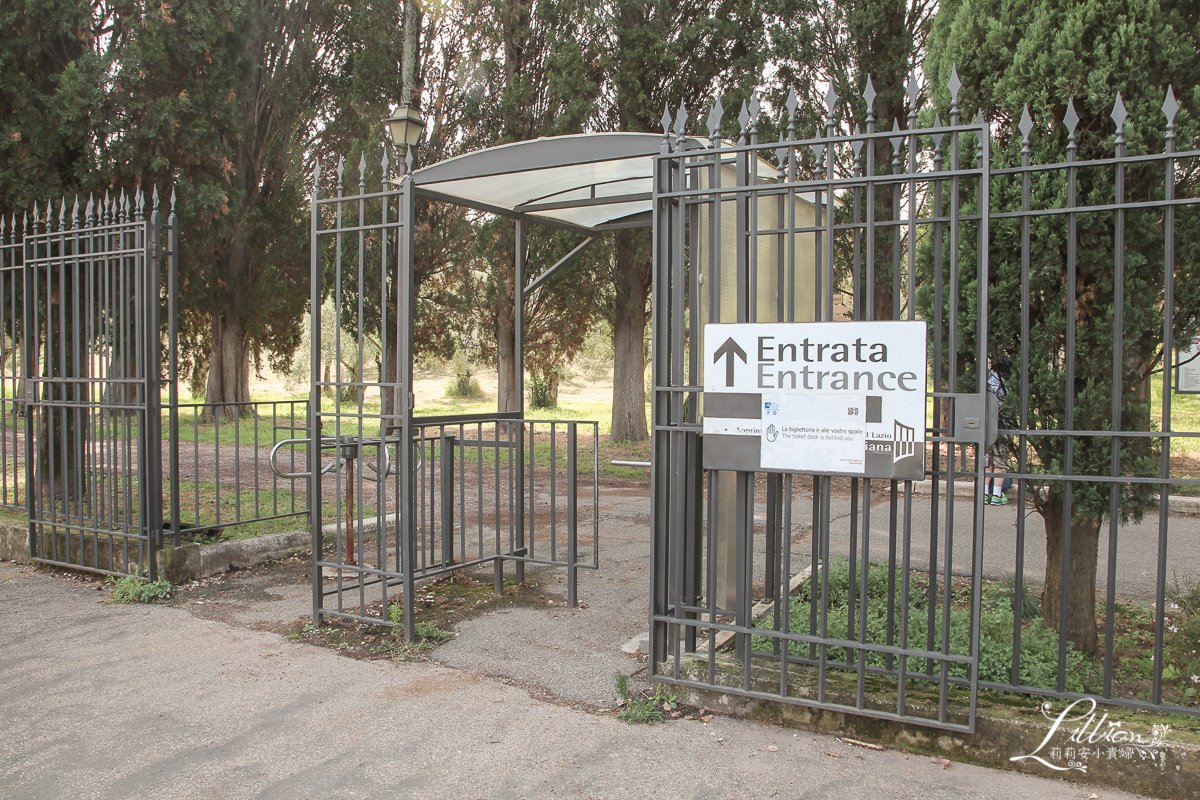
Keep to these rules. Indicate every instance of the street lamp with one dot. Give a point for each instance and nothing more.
(405, 125)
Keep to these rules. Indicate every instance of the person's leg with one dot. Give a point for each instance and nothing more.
(990, 495)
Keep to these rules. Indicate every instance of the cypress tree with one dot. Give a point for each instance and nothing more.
(1052, 59)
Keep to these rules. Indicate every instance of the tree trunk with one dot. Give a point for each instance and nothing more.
(884, 247)
(1081, 591)
(62, 430)
(391, 397)
(632, 292)
(228, 370)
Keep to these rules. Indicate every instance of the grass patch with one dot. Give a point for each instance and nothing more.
(216, 513)
(134, 590)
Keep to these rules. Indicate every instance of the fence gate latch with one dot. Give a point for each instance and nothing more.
(976, 418)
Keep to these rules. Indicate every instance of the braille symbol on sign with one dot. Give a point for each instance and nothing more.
(772, 434)
(729, 350)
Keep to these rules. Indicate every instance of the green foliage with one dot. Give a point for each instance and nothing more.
(543, 387)
(642, 708)
(1006, 591)
(1182, 641)
(1012, 55)
(1039, 646)
(464, 387)
(429, 635)
(623, 687)
(53, 61)
(1009, 54)
(131, 589)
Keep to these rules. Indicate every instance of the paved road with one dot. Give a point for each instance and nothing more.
(105, 701)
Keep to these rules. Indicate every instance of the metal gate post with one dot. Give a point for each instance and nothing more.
(29, 366)
(572, 515)
(172, 358)
(519, 368)
(313, 455)
(150, 438)
(406, 305)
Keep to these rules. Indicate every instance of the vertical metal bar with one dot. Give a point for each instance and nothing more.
(531, 543)
(596, 494)
(869, 305)
(406, 309)
(518, 504)
(660, 456)
(823, 533)
(447, 469)
(1024, 421)
(152, 431)
(1114, 489)
(864, 600)
(28, 368)
(313, 456)
(553, 492)
(982, 280)
(572, 515)
(1069, 422)
(852, 558)
(710, 591)
(1168, 355)
(173, 365)
(784, 622)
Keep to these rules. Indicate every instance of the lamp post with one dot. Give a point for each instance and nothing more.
(405, 125)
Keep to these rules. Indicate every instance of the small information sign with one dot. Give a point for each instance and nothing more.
(1187, 370)
(844, 398)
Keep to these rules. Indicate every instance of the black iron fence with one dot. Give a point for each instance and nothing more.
(1057, 296)
(407, 497)
(89, 412)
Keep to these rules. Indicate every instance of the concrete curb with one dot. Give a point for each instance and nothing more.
(191, 562)
(1184, 506)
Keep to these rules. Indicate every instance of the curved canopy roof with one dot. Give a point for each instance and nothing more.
(591, 180)
(584, 181)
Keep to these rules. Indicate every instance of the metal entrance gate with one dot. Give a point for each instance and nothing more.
(395, 498)
(83, 295)
(848, 594)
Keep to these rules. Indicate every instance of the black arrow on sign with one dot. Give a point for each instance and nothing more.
(729, 349)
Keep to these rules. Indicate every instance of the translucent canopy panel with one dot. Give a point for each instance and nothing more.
(589, 181)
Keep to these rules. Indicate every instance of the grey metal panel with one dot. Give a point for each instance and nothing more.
(725, 452)
(736, 405)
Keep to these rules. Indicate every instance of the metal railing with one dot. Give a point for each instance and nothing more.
(226, 468)
(485, 491)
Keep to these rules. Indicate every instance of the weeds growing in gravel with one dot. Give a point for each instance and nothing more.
(133, 590)
(642, 708)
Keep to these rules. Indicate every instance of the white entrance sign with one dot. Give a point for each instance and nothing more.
(824, 397)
